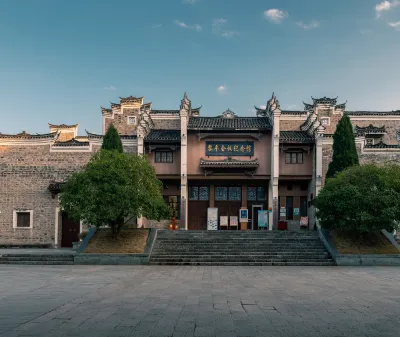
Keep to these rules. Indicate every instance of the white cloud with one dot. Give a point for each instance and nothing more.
(219, 28)
(222, 89)
(275, 15)
(182, 24)
(158, 25)
(313, 24)
(110, 87)
(395, 25)
(385, 6)
(189, 2)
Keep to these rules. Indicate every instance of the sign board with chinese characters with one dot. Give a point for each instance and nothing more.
(212, 218)
(296, 211)
(229, 148)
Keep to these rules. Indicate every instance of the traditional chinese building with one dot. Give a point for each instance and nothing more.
(274, 161)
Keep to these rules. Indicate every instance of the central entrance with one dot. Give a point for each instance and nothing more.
(228, 200)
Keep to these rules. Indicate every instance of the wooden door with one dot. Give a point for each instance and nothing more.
(69, 231)
(197, 217)
(228, 208)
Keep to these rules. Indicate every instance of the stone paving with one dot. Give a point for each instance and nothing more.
(199, 301)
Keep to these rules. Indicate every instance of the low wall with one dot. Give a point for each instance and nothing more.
(162, 224)
(360, 259)
(115, 259)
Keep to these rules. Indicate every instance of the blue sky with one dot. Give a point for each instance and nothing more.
(61, 59)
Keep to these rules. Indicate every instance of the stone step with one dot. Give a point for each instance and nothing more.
(239, 259)
(35, 258)
(231, 255)
(319, 263)
(37, 262)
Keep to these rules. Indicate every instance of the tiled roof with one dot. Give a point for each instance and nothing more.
(382, 145)
(72, 142)
(369, 129)
(296, 136)
(105, 111)
(115, 105)
(324, 100)
(164, 135)
(237, 123)
(234, 163)
(168, 112)
(24, 135)
(62, 126)
(373, 113)
(131, 99)
(96, 136)
(55, 186)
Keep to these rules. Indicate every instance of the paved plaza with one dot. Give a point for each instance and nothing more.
(199, 301)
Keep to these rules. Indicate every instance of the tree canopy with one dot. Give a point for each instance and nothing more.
(362, 198)
(112, 141)
(344, 148)
(112, 187)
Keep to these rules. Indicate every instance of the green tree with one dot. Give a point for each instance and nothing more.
(344, 148)
(111, 140)
(362, 199)
(112, 187)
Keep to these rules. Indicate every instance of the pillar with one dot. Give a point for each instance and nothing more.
(140, 151)
(274, 182)
(184, 115)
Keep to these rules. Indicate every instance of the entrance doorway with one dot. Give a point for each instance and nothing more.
(69, 231)
(254, 215)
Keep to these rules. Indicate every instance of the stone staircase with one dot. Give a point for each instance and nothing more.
(236, 248)
(36, 258)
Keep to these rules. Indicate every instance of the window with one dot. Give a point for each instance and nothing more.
(22, 219)
(256, 193)
(325, 121)
(164, 157)
(370, 141)
(199, 193)
(228, 193)
(131, 120)
(294, 158)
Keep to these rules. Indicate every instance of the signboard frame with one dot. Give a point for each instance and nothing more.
(229, 148)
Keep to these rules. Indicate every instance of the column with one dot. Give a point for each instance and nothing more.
(140, 151)
(184, 113)
(274, 182)
(318, 164)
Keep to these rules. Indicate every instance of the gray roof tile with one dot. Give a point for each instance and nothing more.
(164, 135)
(296, 136)
(237, 123)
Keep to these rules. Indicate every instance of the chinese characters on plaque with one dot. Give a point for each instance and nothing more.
(227, 148)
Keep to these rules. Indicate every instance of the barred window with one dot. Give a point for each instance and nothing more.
(164, 157)
(294, 158)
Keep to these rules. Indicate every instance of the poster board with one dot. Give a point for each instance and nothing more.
(296, 211)
(233, 221)
(212, 218)
(304, 221)
(244, 215)
(223, 221)
(263, 216)
(282, 212)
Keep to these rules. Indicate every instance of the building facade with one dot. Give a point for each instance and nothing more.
(275, 161)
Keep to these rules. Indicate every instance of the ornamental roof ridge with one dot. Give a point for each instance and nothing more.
(131, 99)
(382, 145)
(325, 100)
(228, 113)
(72, 142)
(62, 126)
(25, 135)
(373, 113)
